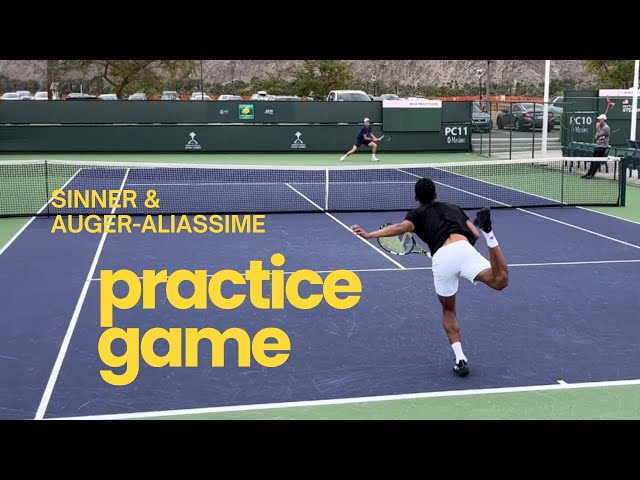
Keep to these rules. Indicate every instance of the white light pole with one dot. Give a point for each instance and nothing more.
(634, 108)
(479, 75)
(545, 110)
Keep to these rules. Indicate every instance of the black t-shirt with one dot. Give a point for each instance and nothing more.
(434, 222)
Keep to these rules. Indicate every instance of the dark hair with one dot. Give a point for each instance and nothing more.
(425, 190)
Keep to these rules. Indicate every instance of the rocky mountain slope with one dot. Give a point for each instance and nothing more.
(410, 72)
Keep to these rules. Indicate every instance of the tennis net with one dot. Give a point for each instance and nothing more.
(26, 187)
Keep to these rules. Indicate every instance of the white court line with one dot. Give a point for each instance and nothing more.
(608, 214)
(407, 269)
(581, 229)
(613, 239)
(24, 227)
(245, 184)
(346, 401)
(46, 396)
(347, 227)
(456, 188)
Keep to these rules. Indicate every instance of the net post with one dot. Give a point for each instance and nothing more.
(326, 190)
(563, 164)
(46, 185)
(622, 178)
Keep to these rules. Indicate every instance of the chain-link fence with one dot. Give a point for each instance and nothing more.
(514, 130)
(508, 130)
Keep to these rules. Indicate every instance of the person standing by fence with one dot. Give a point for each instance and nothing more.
(602, 144)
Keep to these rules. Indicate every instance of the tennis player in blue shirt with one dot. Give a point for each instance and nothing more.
(365, 137)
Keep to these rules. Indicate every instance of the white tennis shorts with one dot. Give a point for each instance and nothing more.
(455, 260)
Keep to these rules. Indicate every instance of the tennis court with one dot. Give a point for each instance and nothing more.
(559, 342)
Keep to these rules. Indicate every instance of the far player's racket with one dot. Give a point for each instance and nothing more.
(401, 244)
(384, 138)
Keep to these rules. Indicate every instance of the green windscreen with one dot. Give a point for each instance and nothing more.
(412, 116)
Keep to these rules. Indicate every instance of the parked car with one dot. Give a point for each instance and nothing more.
(200, 96)
(81, 96)
(286, 98)
(108, 96)
(42, 95)
(225, 98)
(387, 96)
(480, 120)
(520, 116)
(556, 106)
(262, 95)
(348, 96)
(24, 95)
(170, 95)
(137, 96)
(10, 96)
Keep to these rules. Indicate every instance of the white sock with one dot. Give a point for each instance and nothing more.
(457, 349)
(490, 238)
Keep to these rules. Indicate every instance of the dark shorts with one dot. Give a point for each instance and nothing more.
(359, 143)
(599, 151)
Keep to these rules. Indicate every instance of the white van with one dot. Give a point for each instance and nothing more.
(261, 95)
(348, 96)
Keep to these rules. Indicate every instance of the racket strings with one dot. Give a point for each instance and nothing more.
(394, 244)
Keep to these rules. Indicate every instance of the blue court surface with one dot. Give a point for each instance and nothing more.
(569, 314)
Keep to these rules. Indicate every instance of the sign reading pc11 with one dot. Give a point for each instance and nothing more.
(269, 347)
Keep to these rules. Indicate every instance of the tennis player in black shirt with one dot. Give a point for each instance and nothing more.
(450, 235)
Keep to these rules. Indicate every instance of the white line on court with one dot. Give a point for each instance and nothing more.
(608, 215)
(456, 188)
(46, 396)
(408, 269)
(345, 401)
(24, 227)
(613, 239)
(581, 229)
(348, 228)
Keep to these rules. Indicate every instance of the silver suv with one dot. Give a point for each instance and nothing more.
(348, 96)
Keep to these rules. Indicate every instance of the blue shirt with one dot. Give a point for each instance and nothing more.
(364, 131)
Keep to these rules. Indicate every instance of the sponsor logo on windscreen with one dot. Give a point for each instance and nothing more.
(298, 143)
(627, 107)
(246, 111)
(456, 134)
(193, 143)
(581, 124)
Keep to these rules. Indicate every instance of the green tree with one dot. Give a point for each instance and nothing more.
(610, 73)
(321, 76)
(132, 75)
(272, 83)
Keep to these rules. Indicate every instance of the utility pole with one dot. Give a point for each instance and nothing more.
(201, 82)
(479, 74)
(488, 79)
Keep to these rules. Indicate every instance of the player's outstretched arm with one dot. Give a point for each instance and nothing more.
(390, 231)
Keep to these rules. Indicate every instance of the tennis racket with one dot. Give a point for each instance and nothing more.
(401, 244)
(384, 138)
